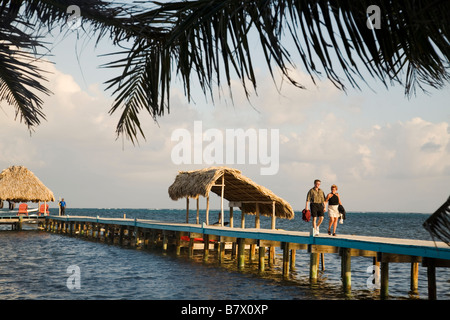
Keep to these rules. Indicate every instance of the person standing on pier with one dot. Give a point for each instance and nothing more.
(334, 200)
(316, 200)
(62, 205)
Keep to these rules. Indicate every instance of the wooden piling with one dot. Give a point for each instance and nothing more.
(231, 218)
(431, 275)
(165, 241)
(191, 247)
(271, 260)
(322, 261)
(384, 280)
(241, 253)
(251, 255)
(177, 243)
(206, 247)
(121, 234)
(20, 223)
(414, 277)
(262, 254)
(221, 251)
(313, 267)
(430, 264)
(187, 209)
(346, 270)
(292, 259)
(285, 259)
(137, 237)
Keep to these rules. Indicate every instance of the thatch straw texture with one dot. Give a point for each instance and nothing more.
(237, 188)
(18, 184)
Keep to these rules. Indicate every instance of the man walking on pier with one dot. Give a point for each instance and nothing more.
(316, 200)
(62, 206)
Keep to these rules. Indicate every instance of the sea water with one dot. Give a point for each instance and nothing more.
(37, 265)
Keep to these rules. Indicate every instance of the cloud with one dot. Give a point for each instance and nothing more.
(323, 134)
(411, 149)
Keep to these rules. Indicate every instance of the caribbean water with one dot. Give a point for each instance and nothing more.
(38, 265)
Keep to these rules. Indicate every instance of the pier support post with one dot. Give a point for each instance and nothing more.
(165, 241)
(205, 247)
(313, 267)
(221, 251)
(121, 232)
(252, 252)
(430, 263)
(346, 270)
(20, 223)
(152, 240)
(107, 234)
(98, 232)
(286, 259)
(177, 243)
(191, 247)
(137, 237)
(431, 274)
(384, 289)
(292, 260)
(262, 254)
(322, 261)
(71, 228)
(241, 253)
(83, 229)
(271, 256)
(414, 277)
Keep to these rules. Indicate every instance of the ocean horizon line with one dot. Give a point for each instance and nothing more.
(235, 209)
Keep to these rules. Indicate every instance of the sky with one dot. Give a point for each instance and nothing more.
(384, 151)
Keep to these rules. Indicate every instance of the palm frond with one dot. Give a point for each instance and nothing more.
(209, 42)
(438, 224)
(19, 81)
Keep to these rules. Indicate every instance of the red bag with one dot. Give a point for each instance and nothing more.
(306, 215)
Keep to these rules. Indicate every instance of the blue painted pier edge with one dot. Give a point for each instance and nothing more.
(152, 233)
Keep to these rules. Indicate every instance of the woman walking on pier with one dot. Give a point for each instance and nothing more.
(334, 200)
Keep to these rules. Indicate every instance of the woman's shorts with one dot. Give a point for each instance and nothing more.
(333, 211)
(316, 209)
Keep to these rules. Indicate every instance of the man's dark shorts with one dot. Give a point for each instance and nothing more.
(316, 209)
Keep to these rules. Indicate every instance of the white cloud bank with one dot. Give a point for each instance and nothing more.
(393, 165)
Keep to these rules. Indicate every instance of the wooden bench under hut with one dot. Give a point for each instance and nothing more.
(231, 185)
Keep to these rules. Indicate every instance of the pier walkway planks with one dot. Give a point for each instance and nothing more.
(410, 247)
(382, 250)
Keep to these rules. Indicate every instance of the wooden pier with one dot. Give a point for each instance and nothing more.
(238, 241)
(17, 222)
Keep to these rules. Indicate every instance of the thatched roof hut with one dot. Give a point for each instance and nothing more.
(18, 184)
(231, 185)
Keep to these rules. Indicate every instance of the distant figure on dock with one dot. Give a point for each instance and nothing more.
(316, 200)
(62, 205)
(334, 200)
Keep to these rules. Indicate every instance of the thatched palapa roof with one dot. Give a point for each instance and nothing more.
(237, 188)
(18, 184)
